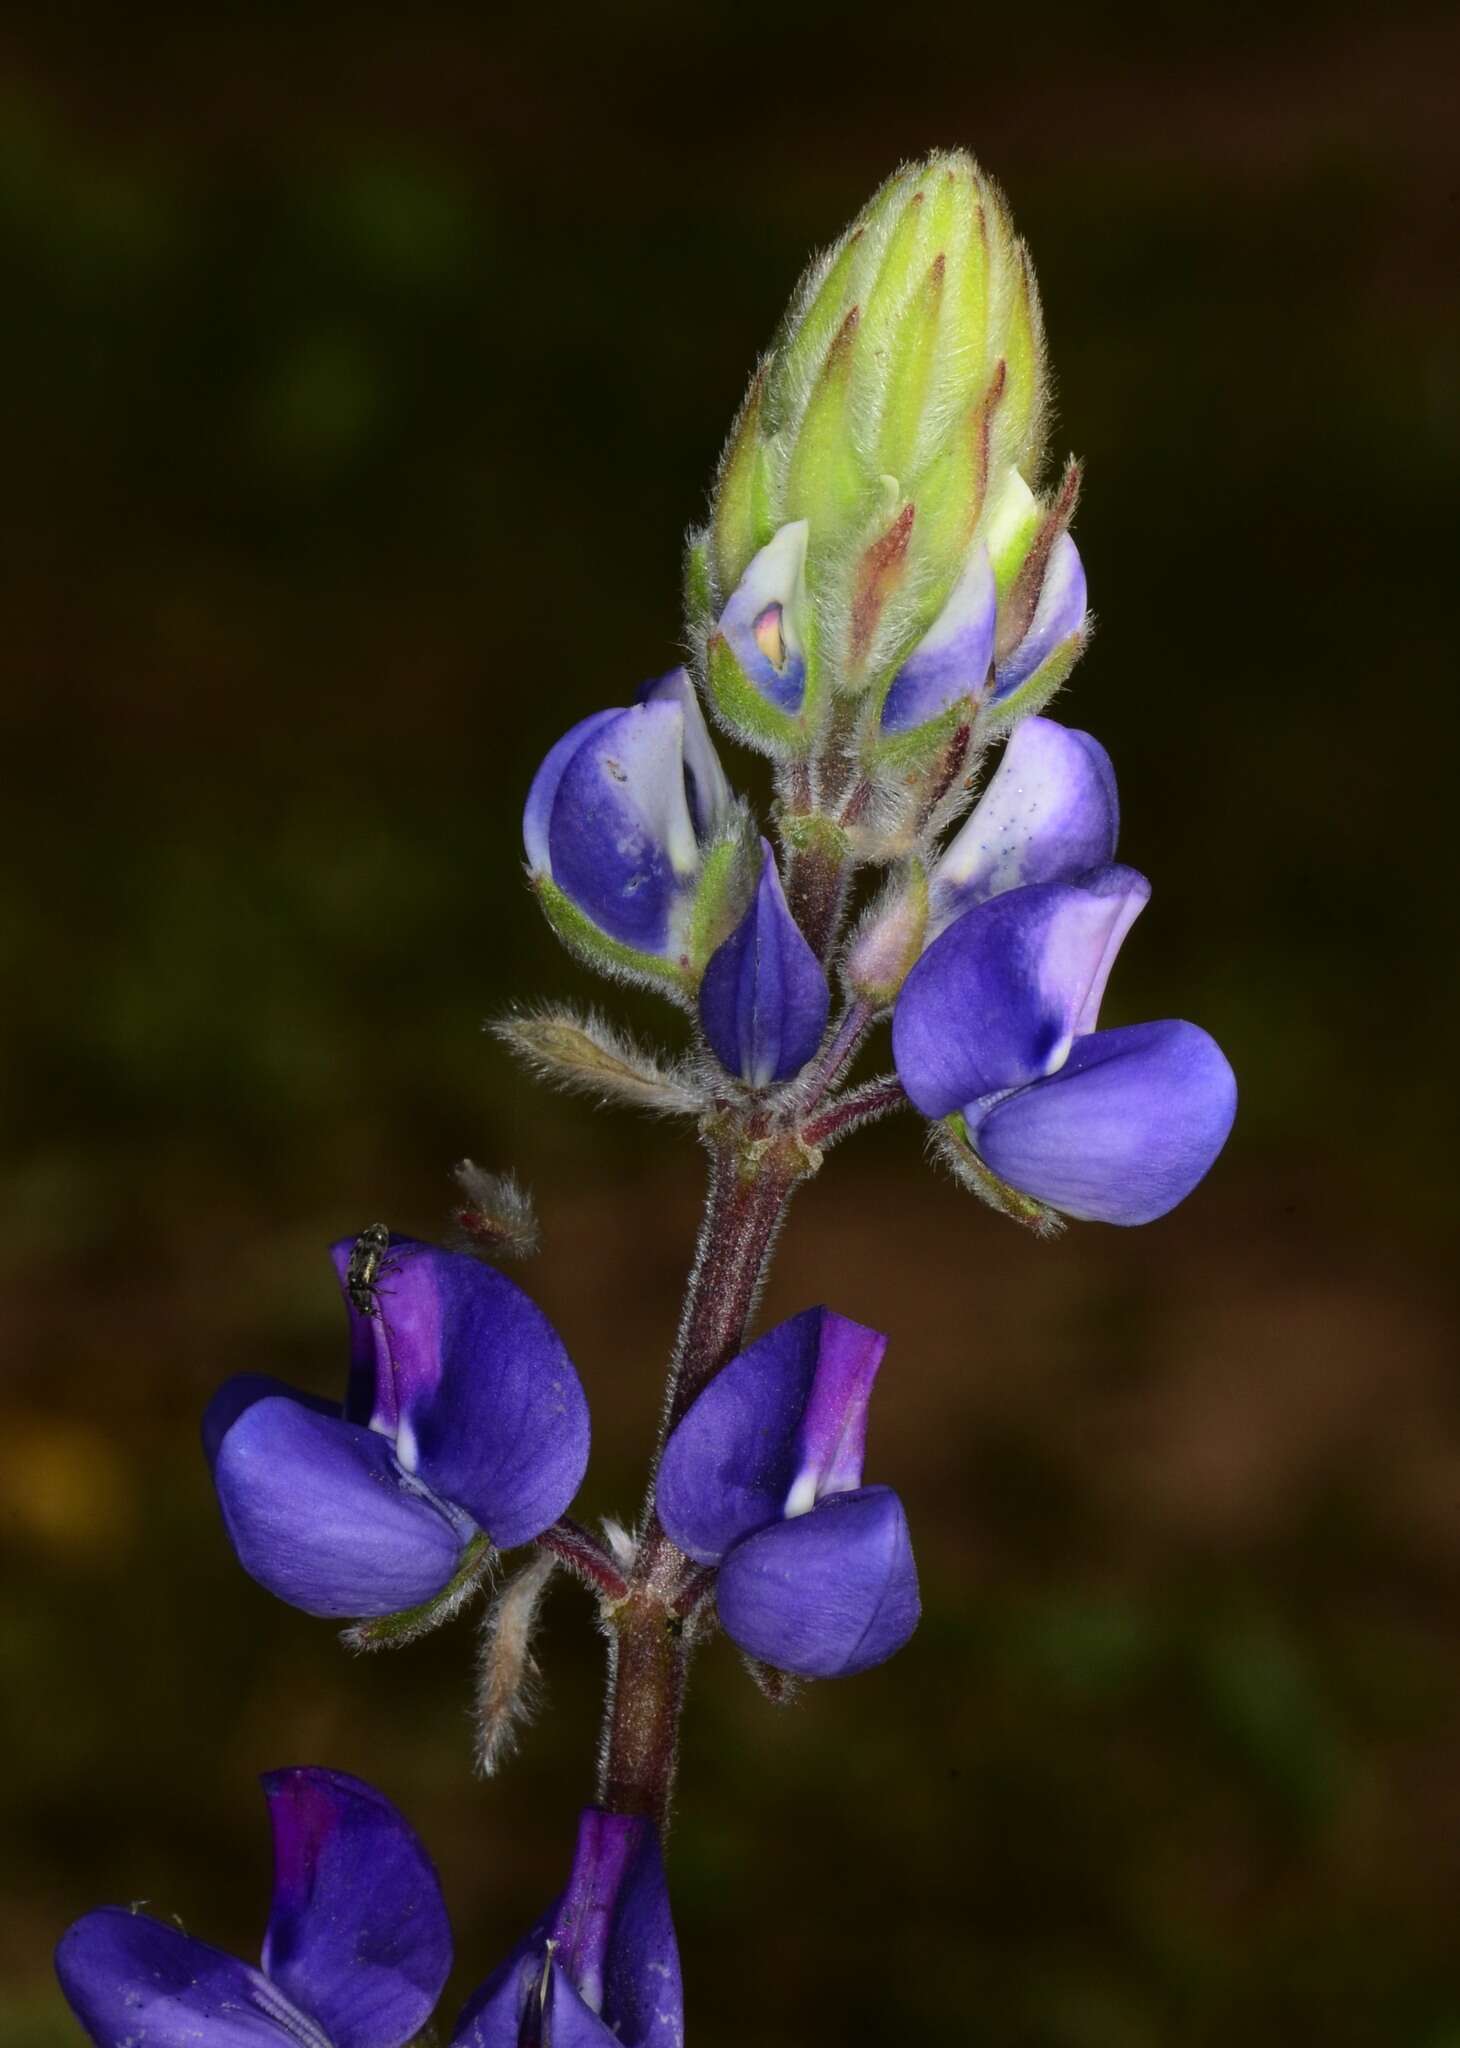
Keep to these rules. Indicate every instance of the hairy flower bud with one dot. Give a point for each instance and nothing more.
(906, 384)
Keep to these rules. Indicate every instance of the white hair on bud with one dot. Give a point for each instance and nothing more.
(587, 1055)
(620, 1542)
(496, 1219)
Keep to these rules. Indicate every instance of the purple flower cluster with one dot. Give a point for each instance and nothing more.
(464, 1424)
(995, 1028)
(358, 1946)
(463, 1430)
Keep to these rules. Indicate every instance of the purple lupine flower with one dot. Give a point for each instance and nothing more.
(602, 1965)
(764, 997)
(997, 1022)
(463, 1418)
(357, 1950)
(762, 1477)
(1048, 814)
(619, 810)
(762, 620)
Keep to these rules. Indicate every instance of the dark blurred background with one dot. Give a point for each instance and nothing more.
(362, 374)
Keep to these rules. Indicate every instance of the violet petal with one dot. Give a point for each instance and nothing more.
(358, 1935)
(320, 1512)
(998, 999)
(788, 1416)
(473, 1388)
(764, 997)
(1123, 1132)
(827, 1594)
(132, 1979)
(1048, 814)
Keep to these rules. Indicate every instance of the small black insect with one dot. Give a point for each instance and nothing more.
(367, 1256)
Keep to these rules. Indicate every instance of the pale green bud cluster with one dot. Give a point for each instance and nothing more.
(899, 414)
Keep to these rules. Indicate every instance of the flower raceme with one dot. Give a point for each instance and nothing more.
(357, 1951)
(762, 1477)
(463, 1423)
(601, 1966)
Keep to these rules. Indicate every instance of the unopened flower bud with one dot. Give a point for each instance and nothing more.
(890, 938)
(1013, 626)
(764, 997)
(602, 1965)
(906, 380)
(625, 821)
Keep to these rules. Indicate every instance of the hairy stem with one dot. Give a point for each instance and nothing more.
(751, 1182)
(850, 1112)
(585, 1556)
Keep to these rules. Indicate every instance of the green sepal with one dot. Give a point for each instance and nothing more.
(727, 881)
(752, 718)
(742, 522)
(825, 481)
(392, 1631)
(819, 308)
(950, 1143)
(908, 757)
(813, 832)
(1022, 420)
(1014, 521)
(1036, 690)
(609, 956)
(699, 601)
(909, 378)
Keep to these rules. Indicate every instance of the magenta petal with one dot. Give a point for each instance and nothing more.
(358, 1934)
(136, 1982)
(998, 999)
(1123, 1132)
(827, 1594)
(473, 1387)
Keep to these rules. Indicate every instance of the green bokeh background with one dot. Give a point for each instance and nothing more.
(362, 373)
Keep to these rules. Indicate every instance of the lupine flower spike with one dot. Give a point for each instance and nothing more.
(884, 590)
